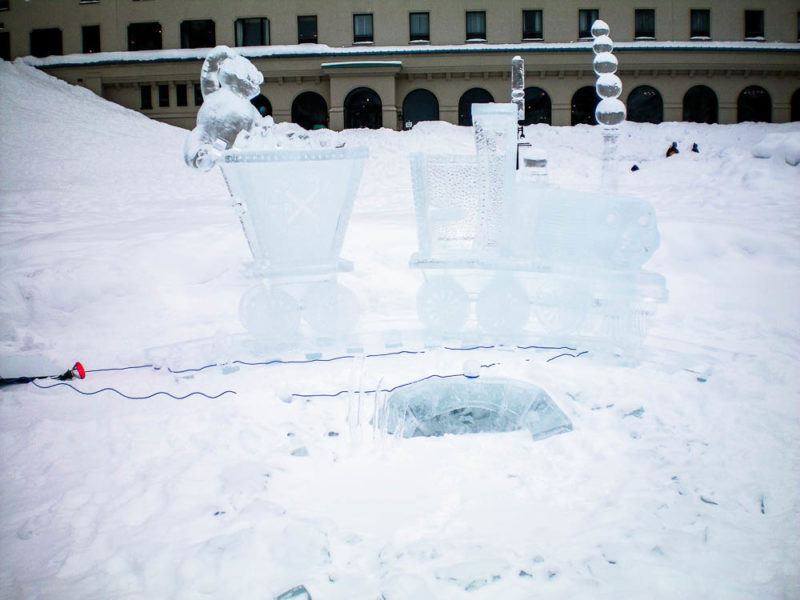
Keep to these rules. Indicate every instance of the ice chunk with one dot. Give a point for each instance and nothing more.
(436, 407)
(781, 145)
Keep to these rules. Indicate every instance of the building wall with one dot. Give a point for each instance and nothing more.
(553, 64)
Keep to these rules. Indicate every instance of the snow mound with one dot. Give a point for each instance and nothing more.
(780, 145)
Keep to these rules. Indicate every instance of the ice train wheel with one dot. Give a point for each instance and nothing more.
(503, 306)
(270, 313)
(561, 308)
(331, 309)
(443, 305)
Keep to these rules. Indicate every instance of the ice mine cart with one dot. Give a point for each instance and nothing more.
(294, 205)
(497, 245)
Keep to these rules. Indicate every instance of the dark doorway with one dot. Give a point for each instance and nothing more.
(584, 101)
(419, 105)
(795, 112)
(468, 98)
(754, 104)
(46, 42)
(262, 104)
(538, 108)
(700, 105)
(363, 108)
(310, 111)
(645, 105)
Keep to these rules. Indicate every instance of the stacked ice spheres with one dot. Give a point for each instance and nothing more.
(610, 111)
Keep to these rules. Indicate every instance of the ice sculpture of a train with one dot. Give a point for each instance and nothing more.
(496, 243)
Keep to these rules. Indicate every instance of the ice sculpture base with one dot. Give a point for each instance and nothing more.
(437, 407)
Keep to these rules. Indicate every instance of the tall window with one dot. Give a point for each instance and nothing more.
(252, 32)
(198, 34)
(700, 25)
(147, 99)
(754, 24)
(476, 25)
(144, 36)
(532, 25)
(180, 94)
(645, 23)
(585, 19)
(307, 29)
(419, 27)
(198, 95)
(3, 4)
(46, 42)
(91, 38)
(5, 45)
(362, 28)
(163, 95)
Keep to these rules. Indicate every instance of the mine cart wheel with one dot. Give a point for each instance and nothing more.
(560, 307)
(331, 309)
(503, 306)
(270, 313)
(443, 305)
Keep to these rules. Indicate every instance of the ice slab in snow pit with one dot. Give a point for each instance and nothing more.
(435, 407)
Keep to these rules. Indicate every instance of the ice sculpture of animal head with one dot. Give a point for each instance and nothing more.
(228, 82)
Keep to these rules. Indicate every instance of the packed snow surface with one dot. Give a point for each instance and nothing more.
(681, 478)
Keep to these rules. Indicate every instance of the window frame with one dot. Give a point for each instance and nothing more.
(50, 44)
(139, 26)
(649, 34)
(747, 34)
(300, 39)
(533, 13)
(363, 38)
(706, 33)
(419, 37)
(475, 35)
(590, 15)
(84, 44)
(186, 34)
(239, 31)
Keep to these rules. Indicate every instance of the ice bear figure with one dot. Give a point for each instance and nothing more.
(228, 82)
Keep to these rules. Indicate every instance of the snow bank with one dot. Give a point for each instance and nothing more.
(780, 145)
(680, 478)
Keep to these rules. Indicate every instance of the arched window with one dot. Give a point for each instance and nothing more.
(584, 101)
(468, 98)
(363, 108)
(538, 108)
(310, 111)
(419, 105)
(795, 113)
(754, 104)
(645, 105)
(700, 105)
(262, 104)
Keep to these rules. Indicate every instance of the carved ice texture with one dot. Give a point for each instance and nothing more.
(437, 407)
(294, 195)
(227, 81)
(495, 248)
(518, 86)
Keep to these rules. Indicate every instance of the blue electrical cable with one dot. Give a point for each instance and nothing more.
(297, 362)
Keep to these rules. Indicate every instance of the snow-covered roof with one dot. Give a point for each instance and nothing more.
(323, 51)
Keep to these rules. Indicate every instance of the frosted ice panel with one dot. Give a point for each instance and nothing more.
(297, 203)
(496, 144)
(446, 196)
(586, 229)
(436, 407)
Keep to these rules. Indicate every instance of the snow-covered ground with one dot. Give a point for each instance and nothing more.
(681, 478)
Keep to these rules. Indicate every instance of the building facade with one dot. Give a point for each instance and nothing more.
(372, 63)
